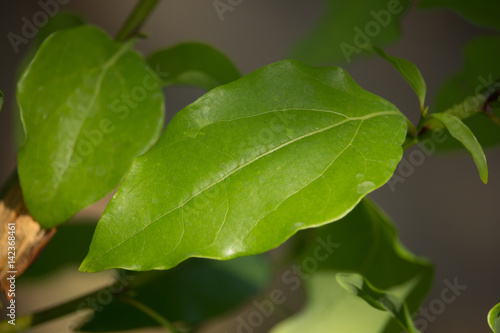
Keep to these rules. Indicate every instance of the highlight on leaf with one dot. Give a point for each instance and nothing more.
(494, 318)
(283, 138)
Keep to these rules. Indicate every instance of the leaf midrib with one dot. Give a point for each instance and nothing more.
(382, 113)
(105, 68)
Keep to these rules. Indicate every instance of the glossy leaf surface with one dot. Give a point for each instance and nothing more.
(89, 107)
(239, 171)
(194, 64)
(347, 27)
(465, 136)
(367, 245)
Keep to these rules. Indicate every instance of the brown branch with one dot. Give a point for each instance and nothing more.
(30, 238)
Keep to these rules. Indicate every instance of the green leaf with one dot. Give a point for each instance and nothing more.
(192, 293)
(68, 247)
(359, 286)
(347, 27)
(86, 117)
(484, 13)
(465, 136)
(494, 318)
(61, 21)
(409, 71)
(239, 171)
(1, 100)
(194, 64)
(480, 75)
(58, 22)
(366, 244)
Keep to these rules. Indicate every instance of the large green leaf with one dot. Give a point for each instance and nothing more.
(359, 286)
(347, 27)
(366, 244)
(192, 293)
(58, 22)
(194, 64)
(465, 136)
(239, 171)
(480, 73)
(494, 318)
(409, 71)
(89, 107)
(484, 13)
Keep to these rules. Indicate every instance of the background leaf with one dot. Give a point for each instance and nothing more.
(1, 100)
(344, 30)
(193, 292)
(61, 21)
(68, 247)
(368, 246)
(481, 70)
(484, 13)
(239, 171)
(359, 286)
(494, 318)
(465, 136)
(78, 114)
(409, 71)
(194, 64)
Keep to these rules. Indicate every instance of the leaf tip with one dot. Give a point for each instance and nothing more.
(484, 176)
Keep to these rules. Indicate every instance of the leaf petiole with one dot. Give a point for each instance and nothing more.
(136, 19)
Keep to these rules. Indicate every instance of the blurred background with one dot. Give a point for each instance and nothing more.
(443, 211)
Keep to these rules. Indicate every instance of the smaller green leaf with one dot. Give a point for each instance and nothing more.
(194, 64)
(494, 318)
(465, 136)
(409, 71)
(483, 13)
(86, 118)
(358, 285)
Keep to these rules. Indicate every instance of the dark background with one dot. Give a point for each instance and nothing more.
(443, 211)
